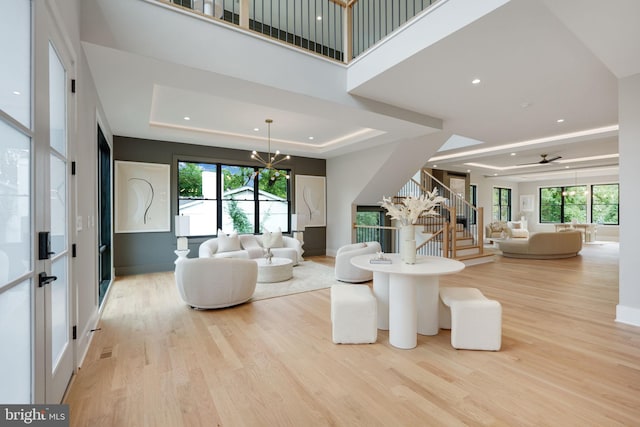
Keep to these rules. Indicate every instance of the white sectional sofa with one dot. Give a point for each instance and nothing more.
(250, 246)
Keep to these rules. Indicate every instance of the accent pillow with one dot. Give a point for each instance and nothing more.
(515, 225)
(496, 226)
(228, 243)
(272, 239)
(249, 241)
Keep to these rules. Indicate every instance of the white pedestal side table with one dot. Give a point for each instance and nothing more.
(407, 295)
(182, 254)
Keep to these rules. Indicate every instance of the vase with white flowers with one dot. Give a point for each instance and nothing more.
(407, 214)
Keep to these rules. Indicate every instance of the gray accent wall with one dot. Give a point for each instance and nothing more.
(137, 253)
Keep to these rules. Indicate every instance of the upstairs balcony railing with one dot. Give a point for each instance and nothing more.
(337, 29)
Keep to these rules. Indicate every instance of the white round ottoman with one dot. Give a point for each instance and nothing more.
(280, 269)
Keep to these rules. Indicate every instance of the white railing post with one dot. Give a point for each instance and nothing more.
(244, 14)
(347, 34)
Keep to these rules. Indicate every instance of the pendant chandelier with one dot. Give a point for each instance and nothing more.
(271, 160)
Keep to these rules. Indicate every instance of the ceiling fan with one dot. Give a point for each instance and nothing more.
(544, 160)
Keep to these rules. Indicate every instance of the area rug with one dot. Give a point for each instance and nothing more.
(307, 276)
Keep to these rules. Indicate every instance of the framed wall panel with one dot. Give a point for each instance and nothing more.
(142, 197)
(311, 205)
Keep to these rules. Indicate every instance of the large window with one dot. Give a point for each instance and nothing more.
(374, 216)
(501, 204)
(605, 204)
(563, 204)
(245, 199)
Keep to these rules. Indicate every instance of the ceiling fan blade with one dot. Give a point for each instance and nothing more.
(544, 161)
(529, 164)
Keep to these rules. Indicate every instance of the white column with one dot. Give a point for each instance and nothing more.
(628, 309)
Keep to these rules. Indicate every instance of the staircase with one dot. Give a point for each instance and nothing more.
(456, 233)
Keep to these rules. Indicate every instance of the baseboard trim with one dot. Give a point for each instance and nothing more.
(628, 315)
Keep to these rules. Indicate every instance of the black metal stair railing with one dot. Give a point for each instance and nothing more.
(337, 29)
(373, 20)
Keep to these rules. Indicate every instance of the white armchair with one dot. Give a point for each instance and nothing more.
(216, 282)
(345, 271)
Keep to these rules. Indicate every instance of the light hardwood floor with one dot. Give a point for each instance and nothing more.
(564, 360)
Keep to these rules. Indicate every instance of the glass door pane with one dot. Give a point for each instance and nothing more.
(15, 336)
(15, 45)
(16, 265)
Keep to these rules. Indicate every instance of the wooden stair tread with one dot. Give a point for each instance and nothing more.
(467, 246)
(474, 256)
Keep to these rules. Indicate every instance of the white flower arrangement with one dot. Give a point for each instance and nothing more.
(413, 208)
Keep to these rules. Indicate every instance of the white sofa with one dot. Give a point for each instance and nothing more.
(510, 229)
(250, 246)
(345, 271)
(215, 283)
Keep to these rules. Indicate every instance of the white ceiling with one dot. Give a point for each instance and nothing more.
(538, 61)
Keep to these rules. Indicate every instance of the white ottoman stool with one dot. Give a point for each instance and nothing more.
(354, 314)
(474, 320)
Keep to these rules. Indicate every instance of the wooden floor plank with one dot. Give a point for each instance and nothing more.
(564, 360)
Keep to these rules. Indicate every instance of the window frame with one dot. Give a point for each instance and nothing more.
(610, 204)
(500, 205)
(220, 200)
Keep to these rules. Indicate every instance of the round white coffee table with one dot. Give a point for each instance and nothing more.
(280, 269)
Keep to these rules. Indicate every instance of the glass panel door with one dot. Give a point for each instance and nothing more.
(59, 352)
(16, 197)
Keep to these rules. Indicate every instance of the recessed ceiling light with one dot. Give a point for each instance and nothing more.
(187, 118)
(475, 81)
(513, 154)
(16, 92)
(495, 174)
(319, 18)
(567, 167)
(311, 138)
(468, 170)
(256, 129)
(560, 120)
(435, 166)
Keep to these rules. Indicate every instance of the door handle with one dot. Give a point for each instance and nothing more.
(43, 279)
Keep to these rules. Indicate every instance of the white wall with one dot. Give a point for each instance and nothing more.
(628, 309)
(347, 175)
(84, 138)
(86, 156)
(363, 178)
